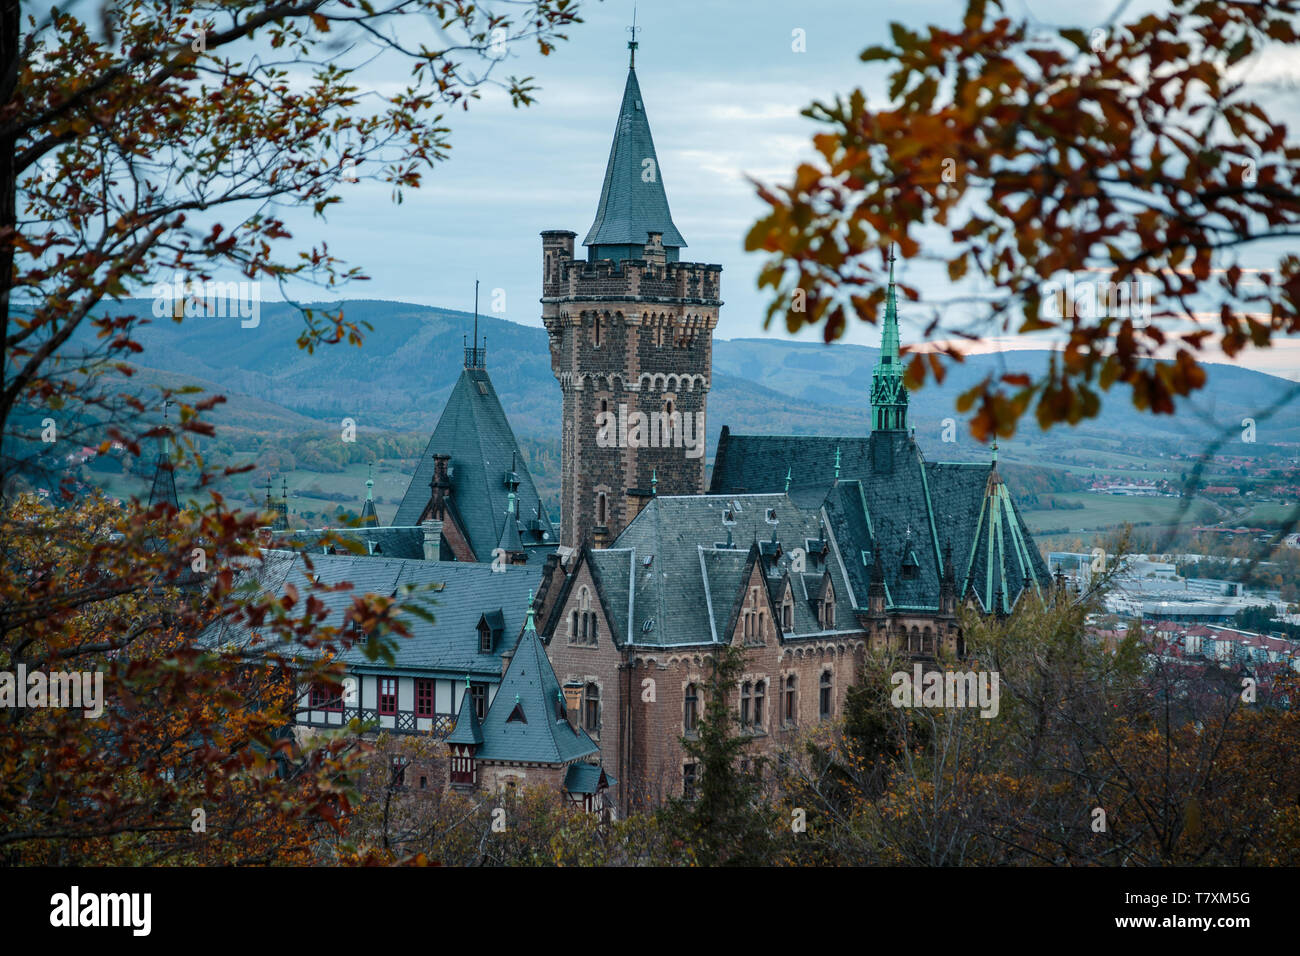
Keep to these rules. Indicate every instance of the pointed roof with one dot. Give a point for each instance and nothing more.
(530, 689)
(474, 432)
(467, 730)
(633, 203)
(164, 478)
(369, 517)
(164, 483)
(888, 393)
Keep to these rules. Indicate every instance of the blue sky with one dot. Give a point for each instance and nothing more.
(723, 90)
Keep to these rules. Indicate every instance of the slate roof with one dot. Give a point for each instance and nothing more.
(632, 204)
(530, 687)
(889, 498)
(474, 431)
(377, 541)
(585, 778)
(467, 729)
(688, 592)
(458, 596)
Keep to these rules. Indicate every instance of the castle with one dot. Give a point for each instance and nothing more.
(808, 553)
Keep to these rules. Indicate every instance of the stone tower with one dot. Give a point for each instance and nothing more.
(631, 337)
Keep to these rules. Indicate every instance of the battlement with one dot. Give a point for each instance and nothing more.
(650, 278)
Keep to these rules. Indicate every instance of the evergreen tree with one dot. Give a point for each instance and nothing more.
(728, 820)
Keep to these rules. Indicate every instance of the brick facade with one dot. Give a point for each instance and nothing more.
(627, 337)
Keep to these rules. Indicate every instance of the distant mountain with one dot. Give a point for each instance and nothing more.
(400, 378)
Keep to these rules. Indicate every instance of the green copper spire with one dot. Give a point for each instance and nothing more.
(888, 394)
(528, 621)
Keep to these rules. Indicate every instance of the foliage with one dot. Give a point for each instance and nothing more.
(728, 820)
(1134, 153)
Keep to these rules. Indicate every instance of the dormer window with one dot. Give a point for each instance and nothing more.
(491, 626)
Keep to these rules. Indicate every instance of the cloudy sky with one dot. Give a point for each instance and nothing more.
(723, 90)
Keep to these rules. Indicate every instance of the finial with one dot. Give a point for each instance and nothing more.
(632, 44)
(510, 503)
(467, 682)
(528, 620)
(837, 462)
(370, 481)
(654, 481)
(787, 480)
(995, 451)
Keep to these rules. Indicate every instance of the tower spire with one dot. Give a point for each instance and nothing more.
(888, 393)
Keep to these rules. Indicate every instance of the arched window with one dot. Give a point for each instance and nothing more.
(573, 627)
(790, 711)
(691, 711)
(596, 329)
(927, 641)
(746, 692)
(600, 508)
(592, 716)
(760, 696)
(824, 696)
(914, 642)
(787, 615)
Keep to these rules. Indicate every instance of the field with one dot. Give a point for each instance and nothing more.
(1100, 512)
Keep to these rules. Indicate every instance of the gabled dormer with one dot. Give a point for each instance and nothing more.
(491, 626)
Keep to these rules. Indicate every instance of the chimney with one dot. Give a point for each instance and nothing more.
(432, 539)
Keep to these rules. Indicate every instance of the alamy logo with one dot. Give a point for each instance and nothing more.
(196, 299)
(655, 430)
(102, 909)
(946, 689)
(78, 690)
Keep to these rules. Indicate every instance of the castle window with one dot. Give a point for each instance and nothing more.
(927, 641)
(787, 614)
(478, 694)
(423, 697)
(596, 329)
(592, 721)
(689, 776)
(692, 709)
(573, 628)
(600, 508)
(322, 698)
(760, 695)
(746, 693)
(388, 695)
(824, 696)
(790, 711)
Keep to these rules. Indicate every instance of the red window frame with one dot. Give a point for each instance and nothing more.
(388, 696)
(324, 698)
(424, 697)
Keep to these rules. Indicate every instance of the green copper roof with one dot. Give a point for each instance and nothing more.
(888, 393)
(633, 203)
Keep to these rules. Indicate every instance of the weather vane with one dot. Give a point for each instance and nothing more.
(632, 44)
